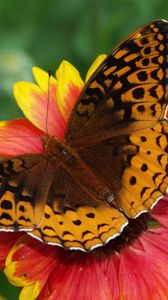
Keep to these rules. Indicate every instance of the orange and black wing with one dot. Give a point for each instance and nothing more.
(39, 196)
(119, 123)
(134, 166)
(74, 218)
(127, 92)
(24, 185)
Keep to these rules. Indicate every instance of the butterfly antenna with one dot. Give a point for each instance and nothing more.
(48, 101)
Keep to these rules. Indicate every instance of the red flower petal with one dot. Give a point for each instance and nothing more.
(26, 254)
(112, 271)
(19, 137)
(79, 276)
(155, 244)
(160, 211)
(134, 273)
(7, 240)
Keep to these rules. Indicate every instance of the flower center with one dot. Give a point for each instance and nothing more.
(132, 232)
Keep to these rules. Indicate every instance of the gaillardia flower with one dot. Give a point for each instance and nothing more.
(132, 266)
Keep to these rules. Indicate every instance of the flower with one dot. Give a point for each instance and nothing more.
(133, 266)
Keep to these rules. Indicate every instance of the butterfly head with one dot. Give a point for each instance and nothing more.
(54, 146)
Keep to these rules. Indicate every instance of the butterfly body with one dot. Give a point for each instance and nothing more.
(112, 164)
(67, 158)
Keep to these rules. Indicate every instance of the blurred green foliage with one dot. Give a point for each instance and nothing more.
(43, 33)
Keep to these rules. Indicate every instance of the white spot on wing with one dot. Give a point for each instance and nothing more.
(78, 248)
(163, 20)
(166, 113)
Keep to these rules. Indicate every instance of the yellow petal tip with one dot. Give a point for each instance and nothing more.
(95, 65)
(30, 292)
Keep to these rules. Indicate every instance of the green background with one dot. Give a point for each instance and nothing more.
(44, 32)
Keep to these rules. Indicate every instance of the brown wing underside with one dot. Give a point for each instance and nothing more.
(127, 92)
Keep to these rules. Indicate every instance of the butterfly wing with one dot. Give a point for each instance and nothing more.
(135, 167)
(128, 91)
(73, 219)
(37, 194)
(24, 184)
(119, 123)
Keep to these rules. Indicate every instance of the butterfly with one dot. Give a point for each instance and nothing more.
(111, 166)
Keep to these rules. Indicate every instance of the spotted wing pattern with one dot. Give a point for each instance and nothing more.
(83, 229)
(38, 195)
(24, 186)
(128, 91)
(135, 167)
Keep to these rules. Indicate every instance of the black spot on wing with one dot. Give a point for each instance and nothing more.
(6, 216)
